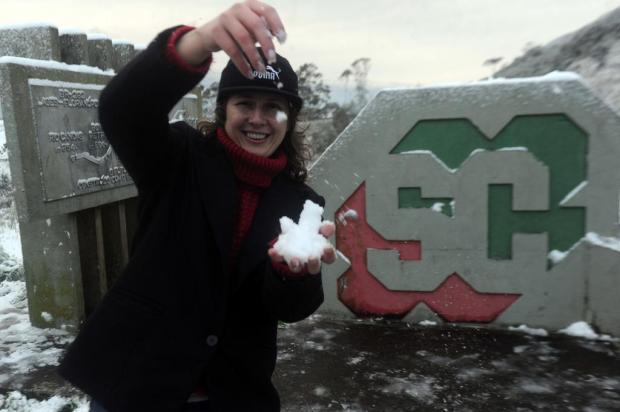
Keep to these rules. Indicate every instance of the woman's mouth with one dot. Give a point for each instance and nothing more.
(256, 136)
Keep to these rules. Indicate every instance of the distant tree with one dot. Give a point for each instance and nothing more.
(342, 116)
(313, 91)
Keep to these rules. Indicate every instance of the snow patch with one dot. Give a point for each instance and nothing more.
(18, 402)
(24, 347)
(428, 152)
(582, 329)
(27, 25)
(554, 76)
(50, 64)
(417, 387)
(603, 241)
(530, 331)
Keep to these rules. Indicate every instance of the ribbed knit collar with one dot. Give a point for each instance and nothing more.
(250, 168)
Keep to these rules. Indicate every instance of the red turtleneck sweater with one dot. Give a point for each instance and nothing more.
(254, 174)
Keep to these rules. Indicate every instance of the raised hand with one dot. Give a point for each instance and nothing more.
(313, 265)
(236, 31)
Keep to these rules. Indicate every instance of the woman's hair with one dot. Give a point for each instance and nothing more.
(294, 144)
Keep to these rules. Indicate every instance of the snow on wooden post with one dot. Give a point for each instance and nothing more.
(75, 200)
(492, 202)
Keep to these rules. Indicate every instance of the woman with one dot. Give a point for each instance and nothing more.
(192, 322)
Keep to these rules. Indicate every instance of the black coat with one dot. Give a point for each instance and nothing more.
(178, 313)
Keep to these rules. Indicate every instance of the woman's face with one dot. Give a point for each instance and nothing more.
(257, 121)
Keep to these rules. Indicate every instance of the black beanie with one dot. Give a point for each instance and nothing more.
(278, 78)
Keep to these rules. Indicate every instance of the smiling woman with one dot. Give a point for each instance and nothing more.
(191, 324)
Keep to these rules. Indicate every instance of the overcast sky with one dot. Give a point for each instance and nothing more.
(410, 42)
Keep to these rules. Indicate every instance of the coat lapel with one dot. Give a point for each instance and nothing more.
(217, 191)
(280, 199)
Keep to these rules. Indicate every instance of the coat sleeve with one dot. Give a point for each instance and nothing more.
(134, 106)
(293, 298)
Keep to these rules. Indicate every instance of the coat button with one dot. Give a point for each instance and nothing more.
(211, 340)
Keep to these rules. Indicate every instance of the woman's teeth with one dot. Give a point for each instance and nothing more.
(256, 136)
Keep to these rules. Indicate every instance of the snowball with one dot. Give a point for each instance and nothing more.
(302, 240)
(47, 317)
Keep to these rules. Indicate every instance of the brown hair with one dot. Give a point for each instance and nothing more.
(294, 144)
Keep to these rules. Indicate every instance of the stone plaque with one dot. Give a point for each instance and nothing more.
(75, 156)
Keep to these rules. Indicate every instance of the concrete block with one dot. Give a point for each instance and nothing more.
(123, 53)
(74, 48)
(101, 53)
(32, 42)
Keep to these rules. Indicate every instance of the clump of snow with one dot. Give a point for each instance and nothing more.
(303, 240)
(582, 329)
(350, 214)
(320, 391)
(47, 316)
(427, 323)
(281, 117)
(556, 256)
(18, 402)
(530, 331)
(437, 206)
(355, 360)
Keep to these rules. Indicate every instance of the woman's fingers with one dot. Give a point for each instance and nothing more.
(271, 18)
(314, 266)
(327, 228)
(295, 265)
(226, 42)
(257, 24)
(238, 29)
(275, 256)
(329, 255)
(245, 27)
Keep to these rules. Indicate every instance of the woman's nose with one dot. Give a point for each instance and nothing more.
(257, 116)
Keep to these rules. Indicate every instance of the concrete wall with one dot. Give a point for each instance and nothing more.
(491, 202)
